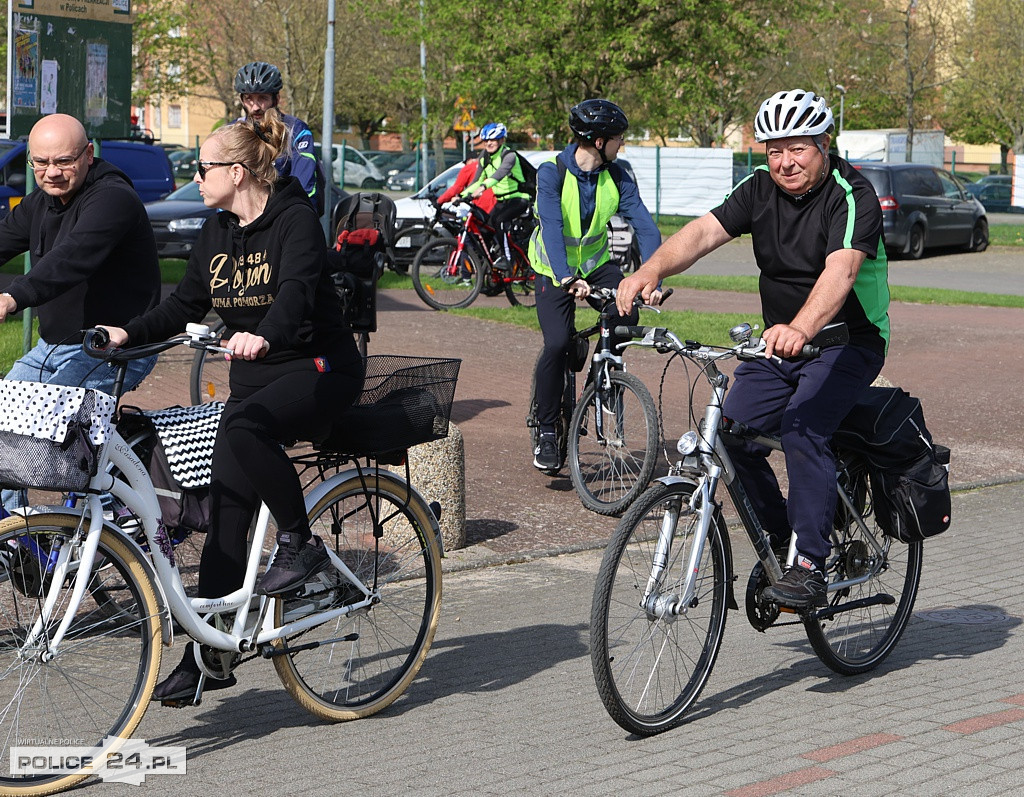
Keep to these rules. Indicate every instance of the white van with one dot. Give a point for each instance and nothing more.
(358, 170)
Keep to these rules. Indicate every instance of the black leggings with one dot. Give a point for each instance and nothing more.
(250, 465)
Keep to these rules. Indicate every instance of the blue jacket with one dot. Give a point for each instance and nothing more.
(549, 209)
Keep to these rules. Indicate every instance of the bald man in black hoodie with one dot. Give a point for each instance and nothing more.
(93, 256)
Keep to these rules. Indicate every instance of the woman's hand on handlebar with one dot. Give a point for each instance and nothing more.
(247, 346)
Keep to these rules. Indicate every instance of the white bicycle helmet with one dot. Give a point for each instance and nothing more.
(792, 113)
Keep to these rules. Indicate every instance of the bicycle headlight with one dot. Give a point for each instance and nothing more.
(687, 443)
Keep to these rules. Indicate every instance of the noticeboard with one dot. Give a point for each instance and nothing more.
(73, 57)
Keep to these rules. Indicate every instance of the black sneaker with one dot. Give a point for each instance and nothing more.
(501, 263)
(545, 455)
(183, 681)
(802, 586)
(294, 563)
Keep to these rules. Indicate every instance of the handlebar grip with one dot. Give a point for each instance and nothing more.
(632, 332)
(95, 341)
(666, 294)
(809, 352)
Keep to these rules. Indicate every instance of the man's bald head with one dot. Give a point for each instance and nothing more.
(60, 139)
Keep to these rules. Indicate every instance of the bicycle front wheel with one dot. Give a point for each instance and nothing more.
(208, 380)
(447, 275)
(408, 242)
(97, 684)
(360, 663)
(651, 656)
(520, 287)
(871, 613)
(613, 443)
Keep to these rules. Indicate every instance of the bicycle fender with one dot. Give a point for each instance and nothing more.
(166, 626)
(318, 492)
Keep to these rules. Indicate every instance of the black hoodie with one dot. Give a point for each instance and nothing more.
(268, 278)
(94, 259)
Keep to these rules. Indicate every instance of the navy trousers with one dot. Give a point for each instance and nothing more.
(803, 402)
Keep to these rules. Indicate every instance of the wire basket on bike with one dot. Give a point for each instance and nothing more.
(51, 436)
(405, 401)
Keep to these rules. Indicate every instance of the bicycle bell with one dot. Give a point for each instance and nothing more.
(741, 333)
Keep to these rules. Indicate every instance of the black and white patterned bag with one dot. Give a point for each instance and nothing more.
(179, 461)
(51, 436)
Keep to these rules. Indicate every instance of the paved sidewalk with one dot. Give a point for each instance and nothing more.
(506, 703)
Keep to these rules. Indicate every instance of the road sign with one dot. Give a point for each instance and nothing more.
(465, 121)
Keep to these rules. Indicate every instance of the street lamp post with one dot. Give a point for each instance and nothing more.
(842, 96)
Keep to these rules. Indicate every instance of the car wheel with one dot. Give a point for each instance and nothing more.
(369, 182)
(915, 242)
(979, 236)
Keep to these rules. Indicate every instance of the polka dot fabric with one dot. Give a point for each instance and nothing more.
(45, 411)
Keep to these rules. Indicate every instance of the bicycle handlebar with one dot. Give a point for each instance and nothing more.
(662, 339)
(197, 336)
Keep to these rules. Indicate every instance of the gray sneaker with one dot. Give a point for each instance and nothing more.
(799, 588)
(294, 563)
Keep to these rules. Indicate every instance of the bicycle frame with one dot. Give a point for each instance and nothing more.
(707, 461)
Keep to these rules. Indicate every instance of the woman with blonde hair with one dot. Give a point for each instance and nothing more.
(260, 264)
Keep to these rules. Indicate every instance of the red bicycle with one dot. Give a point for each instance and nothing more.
(451, 271)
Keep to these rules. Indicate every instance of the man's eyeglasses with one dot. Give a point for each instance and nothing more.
(64, 163)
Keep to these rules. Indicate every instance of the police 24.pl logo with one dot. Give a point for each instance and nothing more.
(114, 760)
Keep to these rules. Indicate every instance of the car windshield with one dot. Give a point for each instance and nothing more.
(439, 184)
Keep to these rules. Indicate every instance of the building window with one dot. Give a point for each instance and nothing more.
(174, 116)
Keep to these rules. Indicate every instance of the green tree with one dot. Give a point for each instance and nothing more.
(162, 66)
(986, 104)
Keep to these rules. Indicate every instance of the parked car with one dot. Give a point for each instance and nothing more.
(925, 207)
(177, 219)
(993, 191)
(406, 179)
(358, 170)
(145, 164)
(414, 210)
(184, 163)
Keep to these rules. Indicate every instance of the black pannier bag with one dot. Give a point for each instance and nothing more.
(909, 472)
(177, 456)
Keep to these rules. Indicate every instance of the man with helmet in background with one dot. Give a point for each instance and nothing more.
(258, 85)
(498, 170)
(577, 194)
(816, 227)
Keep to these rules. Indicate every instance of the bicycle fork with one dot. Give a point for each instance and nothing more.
(664, 604)
(37, 642)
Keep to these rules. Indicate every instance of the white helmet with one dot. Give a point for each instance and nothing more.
(792, 113)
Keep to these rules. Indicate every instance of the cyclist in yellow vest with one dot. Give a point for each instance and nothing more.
(498, 169)
(577, 194)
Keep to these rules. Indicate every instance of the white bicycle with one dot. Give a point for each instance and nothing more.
(85, 609)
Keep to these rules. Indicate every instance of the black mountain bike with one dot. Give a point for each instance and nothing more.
(609, 437)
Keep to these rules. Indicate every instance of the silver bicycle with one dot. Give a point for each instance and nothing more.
(85, 610)
(666, 581)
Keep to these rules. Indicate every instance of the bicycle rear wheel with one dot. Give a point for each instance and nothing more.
(651, 660)
(445, 276)
(520, 289)
(363, 661)
(208, 380)
(98, 683)
(613, 443)
(873, 613)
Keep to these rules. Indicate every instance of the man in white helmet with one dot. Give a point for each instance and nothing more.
(816, 227)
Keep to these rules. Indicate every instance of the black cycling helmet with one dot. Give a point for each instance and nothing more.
(259, 77)
(592, 119)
